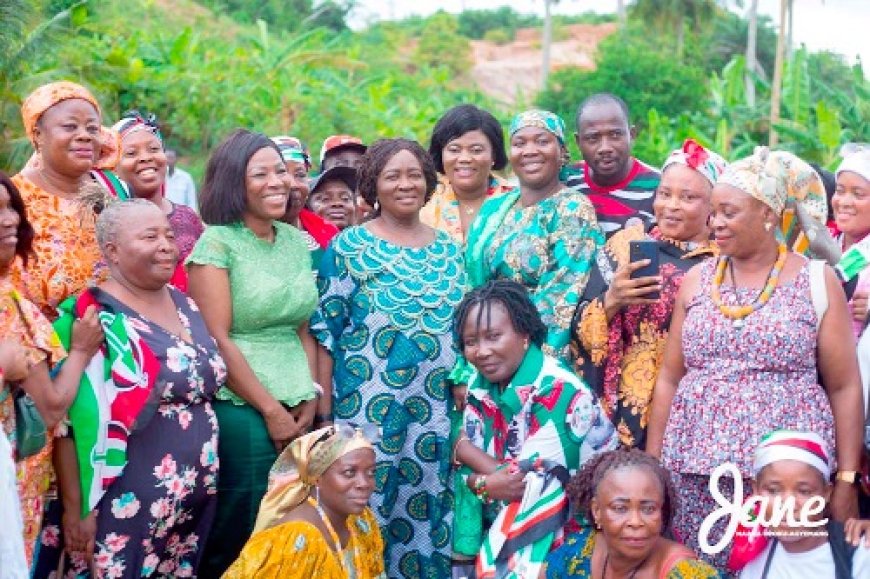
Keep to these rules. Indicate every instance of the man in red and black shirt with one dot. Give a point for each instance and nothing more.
(621, 187)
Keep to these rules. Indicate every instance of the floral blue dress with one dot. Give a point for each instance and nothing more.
(153, 519)
(385, 315)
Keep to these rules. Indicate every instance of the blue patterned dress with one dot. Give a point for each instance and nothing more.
(385, 315)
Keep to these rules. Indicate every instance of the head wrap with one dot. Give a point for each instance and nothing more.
(857, 160)
(778, 179)
(302, 463)
(133, 122)
(694, 156)
(48, 95)
(540, 119)
(293, 149)
(806, 447)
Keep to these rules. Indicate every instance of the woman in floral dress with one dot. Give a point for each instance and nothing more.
(146, 506)
(748, 345)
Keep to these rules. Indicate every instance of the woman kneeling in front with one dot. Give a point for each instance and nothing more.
(528, 423)
(314, 521)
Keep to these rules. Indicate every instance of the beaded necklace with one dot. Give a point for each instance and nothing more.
(351, 543)
(737, 314)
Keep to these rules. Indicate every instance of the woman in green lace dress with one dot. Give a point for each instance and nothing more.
(388, 291)
(250, 274)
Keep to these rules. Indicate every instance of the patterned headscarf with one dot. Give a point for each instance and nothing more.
(293, 149)
(540, 119)
(693, 155)
(298, 467)
(778, 179)
(806, 447)
(133, 122)
(48, 95)
(856, 160)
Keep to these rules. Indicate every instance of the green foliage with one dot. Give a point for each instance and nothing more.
(440, 45)
(477, 23)
(628, 66)
(728, 37)
(498, 36)
(285, 14)
(204, 73)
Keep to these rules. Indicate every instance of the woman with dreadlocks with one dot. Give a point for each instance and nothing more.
(528, 423)
(630, 498)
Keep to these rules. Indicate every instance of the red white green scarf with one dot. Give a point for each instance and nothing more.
(117, 385)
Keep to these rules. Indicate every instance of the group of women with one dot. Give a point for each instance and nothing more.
(276, 387)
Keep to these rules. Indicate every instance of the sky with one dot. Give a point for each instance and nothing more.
(837, 25)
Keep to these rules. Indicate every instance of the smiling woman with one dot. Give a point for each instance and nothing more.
(162, 471)
(528, 424)
(542, 234)
(631, 501)
(619, 330)
(467, 145)
(712, 405)
(250, 274)
(315, 520)
(143, 167)
(388, 291)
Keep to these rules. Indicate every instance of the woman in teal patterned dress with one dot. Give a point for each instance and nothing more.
(388, 291)
(542, 234)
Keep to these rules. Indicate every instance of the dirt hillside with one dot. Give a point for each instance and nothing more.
(511, 72)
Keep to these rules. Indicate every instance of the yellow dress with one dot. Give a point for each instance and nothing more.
(298, 549)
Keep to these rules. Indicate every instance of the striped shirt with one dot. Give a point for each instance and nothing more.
(622, 204)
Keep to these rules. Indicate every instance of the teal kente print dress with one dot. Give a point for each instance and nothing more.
(548, 247)
(385, 315)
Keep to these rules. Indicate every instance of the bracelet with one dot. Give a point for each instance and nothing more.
(318, 390)
(479, 488)
(462, 437)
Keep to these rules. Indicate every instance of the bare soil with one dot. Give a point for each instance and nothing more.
(511, 73)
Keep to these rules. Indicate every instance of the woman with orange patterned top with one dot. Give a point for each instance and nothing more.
(26, 330)
(62, 120)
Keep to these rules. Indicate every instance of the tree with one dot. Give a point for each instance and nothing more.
(751, 52)
(628, 65)
(671, 15)
(776, 91)
(440, 45)
(28, 34)
(546, 42)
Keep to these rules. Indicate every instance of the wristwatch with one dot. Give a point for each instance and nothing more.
(848, 476)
